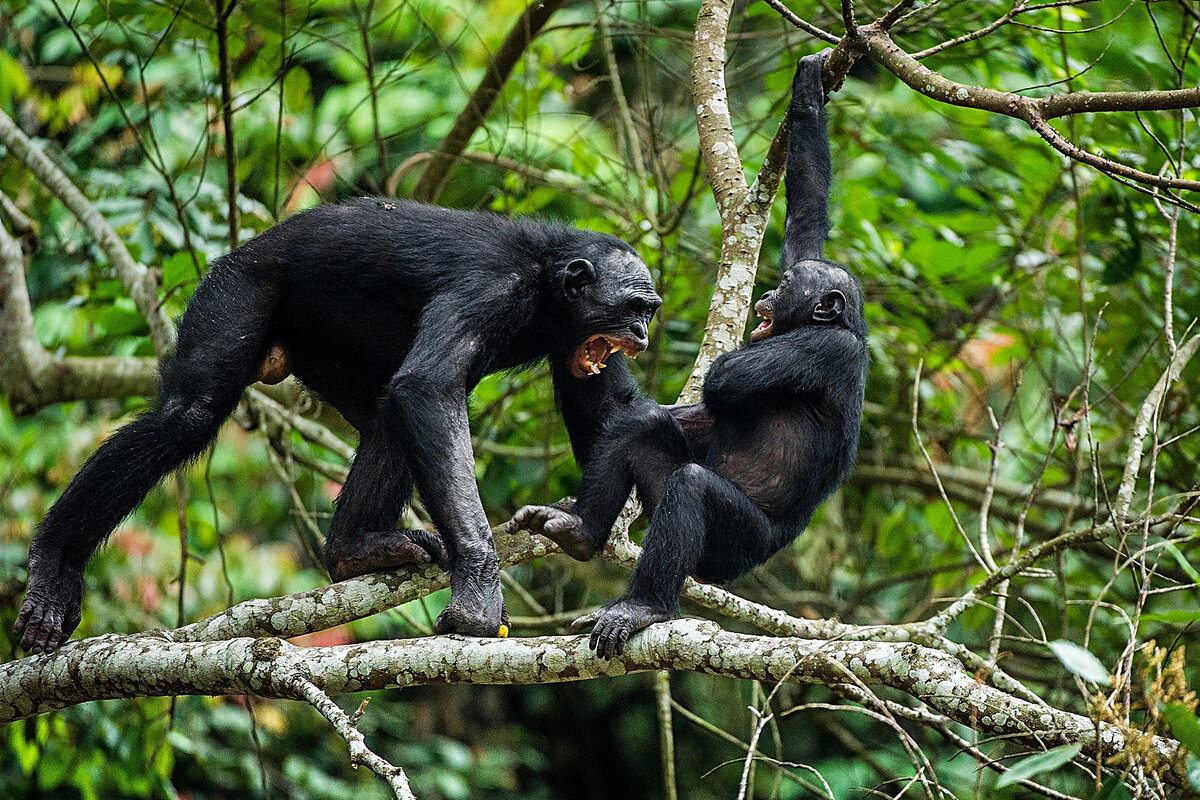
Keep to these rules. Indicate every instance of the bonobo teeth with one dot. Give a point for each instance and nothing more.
(616, 348)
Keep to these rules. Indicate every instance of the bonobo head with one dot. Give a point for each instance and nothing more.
(609, 300)
(811, 292)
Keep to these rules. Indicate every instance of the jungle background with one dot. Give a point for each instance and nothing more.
(1023, 308)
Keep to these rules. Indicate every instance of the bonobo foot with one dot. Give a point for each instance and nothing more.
(51, 612)
(349, 557)
(616, 622)
(559, 526)
(476, 606)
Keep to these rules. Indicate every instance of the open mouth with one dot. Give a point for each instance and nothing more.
(590, 356)
(764, 328)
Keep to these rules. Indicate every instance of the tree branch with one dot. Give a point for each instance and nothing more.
(140, 282)
(33, 378)
(347, 727)
(115, 666)
(745, 210)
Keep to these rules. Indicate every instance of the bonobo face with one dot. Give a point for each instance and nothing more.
(811, 293)
(610, 301)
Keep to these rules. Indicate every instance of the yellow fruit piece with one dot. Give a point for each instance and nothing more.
(503, 634)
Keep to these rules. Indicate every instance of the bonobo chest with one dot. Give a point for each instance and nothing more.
(771, 453)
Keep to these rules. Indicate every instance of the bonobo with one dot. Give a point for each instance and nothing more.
(729, 481)
(391, 311)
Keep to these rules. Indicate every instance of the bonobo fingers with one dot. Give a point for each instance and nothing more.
(433, 546)
(616, 622)
(558, 525)
(48, 617)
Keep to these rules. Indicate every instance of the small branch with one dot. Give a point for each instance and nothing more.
(1141, 426)
(666, 732)
(1034, 111)
(224, 9)
(347, 727)
(807, 27)
(480, 102)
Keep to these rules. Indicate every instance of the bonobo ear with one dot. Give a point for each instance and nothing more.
(830, 306)
(576, 275)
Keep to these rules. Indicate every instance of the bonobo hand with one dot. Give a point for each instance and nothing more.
(51, 611)
(379, 550)
(615, 622)
(558, 525)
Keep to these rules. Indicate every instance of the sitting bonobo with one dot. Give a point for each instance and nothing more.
(729, 481)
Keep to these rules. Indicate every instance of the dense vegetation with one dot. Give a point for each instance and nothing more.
(1028, 302)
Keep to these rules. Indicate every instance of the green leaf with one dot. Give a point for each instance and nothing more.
(1080, 662)
(1036, 765)
(1184, 726)
(1179, 616)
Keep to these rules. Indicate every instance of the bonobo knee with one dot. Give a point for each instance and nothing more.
(410, 385)
(193, 420)
(690, 481)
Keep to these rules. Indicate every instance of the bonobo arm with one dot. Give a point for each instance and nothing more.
(426, 407)
(808, 168)
(588, 403)
(810, 360)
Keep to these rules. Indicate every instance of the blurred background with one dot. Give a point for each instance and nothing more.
(1020, 283)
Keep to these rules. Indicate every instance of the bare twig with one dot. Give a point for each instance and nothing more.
(347, 727)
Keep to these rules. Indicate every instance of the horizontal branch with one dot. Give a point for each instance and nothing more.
(112, 666)
(1033, 111)
(30, 375)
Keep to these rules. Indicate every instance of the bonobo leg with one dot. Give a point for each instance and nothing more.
(642, 446)
(362, 536)
(702, 521)
(218, 350)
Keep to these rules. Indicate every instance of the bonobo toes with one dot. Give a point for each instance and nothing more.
(51, 612)
(615, 622)
(559, 526)
(379, 550)
(476, 605)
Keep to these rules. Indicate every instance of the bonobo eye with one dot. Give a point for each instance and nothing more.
(577, 275)
(829, 307)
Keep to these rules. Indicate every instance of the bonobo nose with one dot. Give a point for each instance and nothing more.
(638, 329)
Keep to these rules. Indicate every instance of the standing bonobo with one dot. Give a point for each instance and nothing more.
(392, 311)
(729, 481)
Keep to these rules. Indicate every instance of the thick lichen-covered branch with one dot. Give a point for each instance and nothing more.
(147, 665)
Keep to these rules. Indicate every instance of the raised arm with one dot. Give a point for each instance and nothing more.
(808, 169)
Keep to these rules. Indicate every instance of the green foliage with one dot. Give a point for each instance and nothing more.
(1011, 276)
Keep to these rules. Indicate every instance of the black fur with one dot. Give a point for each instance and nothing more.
(729, 481)
(392, 311)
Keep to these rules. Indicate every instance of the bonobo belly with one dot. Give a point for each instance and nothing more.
(764, 458)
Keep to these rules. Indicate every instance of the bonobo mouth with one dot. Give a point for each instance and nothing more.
(768, 322)
(590, 356)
